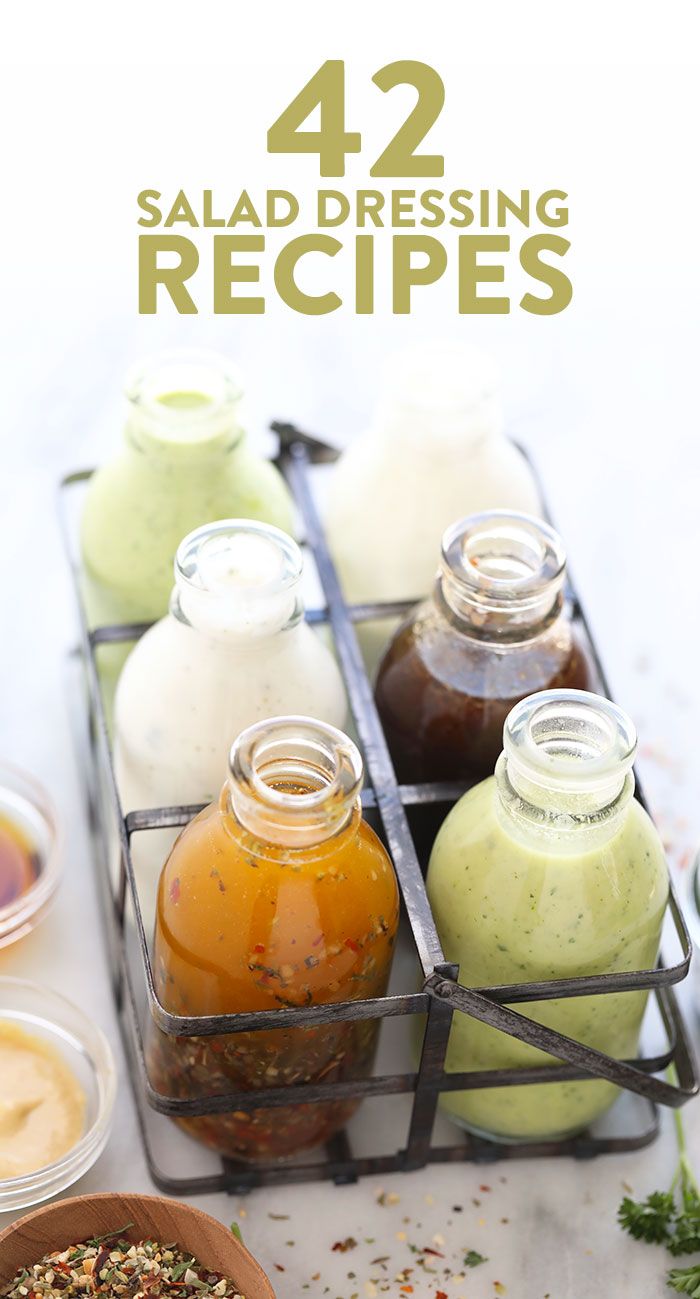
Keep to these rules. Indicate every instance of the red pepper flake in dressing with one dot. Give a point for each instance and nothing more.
(259, 948)
(352, 944)
(175, 890)
(342, 1246)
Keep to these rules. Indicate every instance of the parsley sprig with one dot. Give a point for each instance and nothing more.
(648, 1219)
(670, 1218)
(685, 1280)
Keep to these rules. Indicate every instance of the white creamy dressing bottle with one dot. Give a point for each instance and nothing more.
(233, 650)
(434, 452)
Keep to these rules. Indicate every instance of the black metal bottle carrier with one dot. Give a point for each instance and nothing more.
(441, 996)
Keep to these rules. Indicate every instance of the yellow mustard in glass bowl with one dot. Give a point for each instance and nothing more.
(57, 1090)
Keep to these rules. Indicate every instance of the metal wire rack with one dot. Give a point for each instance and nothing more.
(441, 995)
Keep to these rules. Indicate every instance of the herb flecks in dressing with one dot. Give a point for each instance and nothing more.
(508, 913)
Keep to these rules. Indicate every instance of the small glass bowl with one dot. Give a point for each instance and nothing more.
(25, 802)
(45, 1014)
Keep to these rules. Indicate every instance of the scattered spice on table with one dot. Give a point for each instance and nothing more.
(432, 1259)
(473, 1258)
(111, 1265)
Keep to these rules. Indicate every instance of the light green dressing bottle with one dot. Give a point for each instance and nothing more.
(185, 462)
(549, 869)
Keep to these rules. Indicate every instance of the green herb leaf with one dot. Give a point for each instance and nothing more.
(685, 1280)
(236, 1231)
(649, 1219)
(110, 1235)
(181, 1268)
(686, 1236)
(473, 1258)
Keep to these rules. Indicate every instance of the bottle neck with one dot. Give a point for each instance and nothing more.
(294, 782)
(434, 430)
(184, 406)
(566, 767)
(238, 580)
(439, 396)
(501, 576)
(188, 448)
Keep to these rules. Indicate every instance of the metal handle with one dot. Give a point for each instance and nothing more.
(566, 1048)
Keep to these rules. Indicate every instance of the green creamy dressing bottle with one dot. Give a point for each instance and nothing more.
(549, 869)
(185, 462)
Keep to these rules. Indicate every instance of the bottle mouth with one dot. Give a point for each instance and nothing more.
(441, 395)
(441, 376)
(570, 745)
(502, 569)
(294, 780)
(237, 575)
(184, 395)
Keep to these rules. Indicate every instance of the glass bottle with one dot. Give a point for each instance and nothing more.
(233, 650)
(277, 895)
(551, 869)
(435, 451)
(495, 630)
(185, 462)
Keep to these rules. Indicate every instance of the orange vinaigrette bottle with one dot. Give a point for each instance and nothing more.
(278, 895)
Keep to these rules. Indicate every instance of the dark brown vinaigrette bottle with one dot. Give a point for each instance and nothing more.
(496, 629)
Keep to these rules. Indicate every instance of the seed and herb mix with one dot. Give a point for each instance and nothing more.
(111, 1266)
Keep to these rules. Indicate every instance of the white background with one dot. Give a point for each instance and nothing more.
(98, 104)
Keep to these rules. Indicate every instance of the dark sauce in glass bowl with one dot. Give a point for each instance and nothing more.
(30, 858)
(20, 862)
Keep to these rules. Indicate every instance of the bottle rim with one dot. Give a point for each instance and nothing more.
(570, 741)
(210, 542)
(184, 370)
(287, 750)
(238, 577)
(501, 575)
(503, 558)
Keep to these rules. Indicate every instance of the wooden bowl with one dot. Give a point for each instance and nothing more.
(66, 1222)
